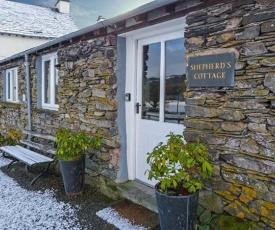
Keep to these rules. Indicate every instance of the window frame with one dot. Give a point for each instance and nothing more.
(9, 89)
(161, 39)
(53, 72)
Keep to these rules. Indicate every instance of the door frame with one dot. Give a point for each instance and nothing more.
(131, 81)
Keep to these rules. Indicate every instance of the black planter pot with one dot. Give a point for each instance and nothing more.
(177, 212)
(73, 175)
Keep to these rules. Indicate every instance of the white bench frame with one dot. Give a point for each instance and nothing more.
(20, 154)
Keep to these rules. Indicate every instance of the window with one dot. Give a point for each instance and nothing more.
(163, 79)
(12, 85)
(49, 82)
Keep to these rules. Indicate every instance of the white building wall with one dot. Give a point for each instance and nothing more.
(12, 44)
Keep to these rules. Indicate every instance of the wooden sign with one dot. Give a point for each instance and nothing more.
(211, 70)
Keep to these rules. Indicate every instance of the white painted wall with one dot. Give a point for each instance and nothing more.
(11, 44)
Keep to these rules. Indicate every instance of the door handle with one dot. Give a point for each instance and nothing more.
(137, 107)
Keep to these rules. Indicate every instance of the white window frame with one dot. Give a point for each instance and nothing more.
(10, 88)
(52, 105)
(161, 39)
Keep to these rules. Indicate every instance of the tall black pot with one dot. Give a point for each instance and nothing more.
(73, 175)
(177, 212)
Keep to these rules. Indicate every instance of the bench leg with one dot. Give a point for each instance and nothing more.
(41, 174)
(27, 168)
(13, 161)
(5, 155)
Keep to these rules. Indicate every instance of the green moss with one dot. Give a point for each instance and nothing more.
(268, 61)
(223, 222)
(226, 223)
(104, 101)
(112, 186)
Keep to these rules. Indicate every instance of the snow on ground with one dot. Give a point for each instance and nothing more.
(113, 217)
(32, 210)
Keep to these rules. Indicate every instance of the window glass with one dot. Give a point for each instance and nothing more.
(151, 81)
(47, 82)
(14, 85)
(56, 82)
(8, 85)
(11, 85)
(174, 81)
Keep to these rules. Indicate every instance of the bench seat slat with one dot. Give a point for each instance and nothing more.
(12, 151)
(38, 146)
(36, 156)
(27, 156)
(40, 135)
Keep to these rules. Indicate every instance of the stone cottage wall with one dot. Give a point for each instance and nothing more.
(43, 121)
(87, 101)
(13, 114)
(237, 123)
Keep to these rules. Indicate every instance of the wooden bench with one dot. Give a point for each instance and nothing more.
(29, 157)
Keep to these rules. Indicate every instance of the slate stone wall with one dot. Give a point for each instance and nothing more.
(87, 101)
(43, 121)
(13, 114)
(237, 123)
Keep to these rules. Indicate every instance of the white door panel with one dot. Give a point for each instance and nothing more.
(160, 86)
(148, 136)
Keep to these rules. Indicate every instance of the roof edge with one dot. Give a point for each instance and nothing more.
(24, 35)
(108, 22)
(139, 10)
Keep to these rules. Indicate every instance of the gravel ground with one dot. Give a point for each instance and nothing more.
(17, 198)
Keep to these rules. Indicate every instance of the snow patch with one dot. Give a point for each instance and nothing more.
(21, 209)
(113, 217)
(4, 162)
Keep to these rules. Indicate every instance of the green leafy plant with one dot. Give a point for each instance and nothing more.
(204, 218)
(12, 137)
(180, 167)
(71, 145)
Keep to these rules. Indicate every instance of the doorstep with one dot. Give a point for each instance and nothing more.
(139, 193)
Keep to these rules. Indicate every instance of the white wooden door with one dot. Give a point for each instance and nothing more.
(160, 102)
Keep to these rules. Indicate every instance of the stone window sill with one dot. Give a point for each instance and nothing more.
(5, 104)
(48, 111)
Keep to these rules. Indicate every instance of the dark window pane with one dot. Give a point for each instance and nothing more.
(174, 81)
(56, 82)
(47, 82)
(151, 81)
(9, 85)
(14, 89)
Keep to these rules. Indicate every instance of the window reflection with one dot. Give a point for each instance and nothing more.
(14, 85)
(47, 74)
(151, 81)
(56, 82)
(9, 86)
(174, 81)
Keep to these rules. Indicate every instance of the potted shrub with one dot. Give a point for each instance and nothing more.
(71, 146)
(179, 167)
